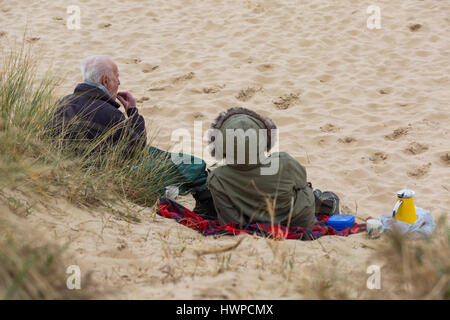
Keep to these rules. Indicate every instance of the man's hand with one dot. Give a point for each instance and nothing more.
(127, 100)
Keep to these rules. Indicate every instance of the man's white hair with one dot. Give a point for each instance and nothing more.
(94, 67)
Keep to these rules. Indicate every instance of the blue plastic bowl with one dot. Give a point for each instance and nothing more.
(341, 221)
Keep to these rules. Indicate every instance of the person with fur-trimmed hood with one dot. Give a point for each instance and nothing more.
(245, 189)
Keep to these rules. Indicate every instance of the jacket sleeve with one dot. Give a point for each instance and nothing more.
(137, 124)
(132, 128)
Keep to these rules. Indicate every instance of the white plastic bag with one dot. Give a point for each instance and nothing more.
(172, 192)
(424, 225)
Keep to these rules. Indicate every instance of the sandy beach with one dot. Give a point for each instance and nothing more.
(364, 110)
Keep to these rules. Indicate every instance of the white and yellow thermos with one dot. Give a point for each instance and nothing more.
(404, 209)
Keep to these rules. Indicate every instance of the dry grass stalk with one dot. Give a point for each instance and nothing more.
(215, 250)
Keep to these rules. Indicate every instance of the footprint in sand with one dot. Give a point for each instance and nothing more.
(2, 34)
(400, 132)
(210, 90)
(324, 141)
(185, 77)
(445, 158)
(416, 148)
(60, 20)
(133, 61)
(419, 172)
(347, 140)
(159, 86)
(213, 89)
(198, 115)
(147, 68)
(122, 246)
(329, 128)
(415, 27)
(385, 91)
(248, 93)
(265, 67)
(285, 101)
(378, 157)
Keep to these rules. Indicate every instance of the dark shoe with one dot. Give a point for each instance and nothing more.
(329, 203)
(204, 204)
(326, 202)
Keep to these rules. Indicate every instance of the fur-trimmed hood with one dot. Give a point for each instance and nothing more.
(240, 118)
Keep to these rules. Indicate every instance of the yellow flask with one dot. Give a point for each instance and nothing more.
(404, 209)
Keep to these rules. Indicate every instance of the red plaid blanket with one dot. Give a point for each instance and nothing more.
(173, 210)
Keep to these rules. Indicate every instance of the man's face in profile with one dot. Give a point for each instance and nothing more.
(112, 83)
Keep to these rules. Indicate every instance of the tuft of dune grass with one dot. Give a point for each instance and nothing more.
(418, 269)
(409, 269)
(29, 271)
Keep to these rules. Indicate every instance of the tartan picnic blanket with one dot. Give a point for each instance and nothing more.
(173, 210)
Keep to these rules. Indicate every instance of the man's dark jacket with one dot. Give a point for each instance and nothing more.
(92, 113)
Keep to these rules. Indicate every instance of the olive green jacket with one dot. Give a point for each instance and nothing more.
(244, 195)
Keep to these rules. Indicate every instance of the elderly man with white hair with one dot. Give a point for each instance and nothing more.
(93, 105)
(94, 112)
